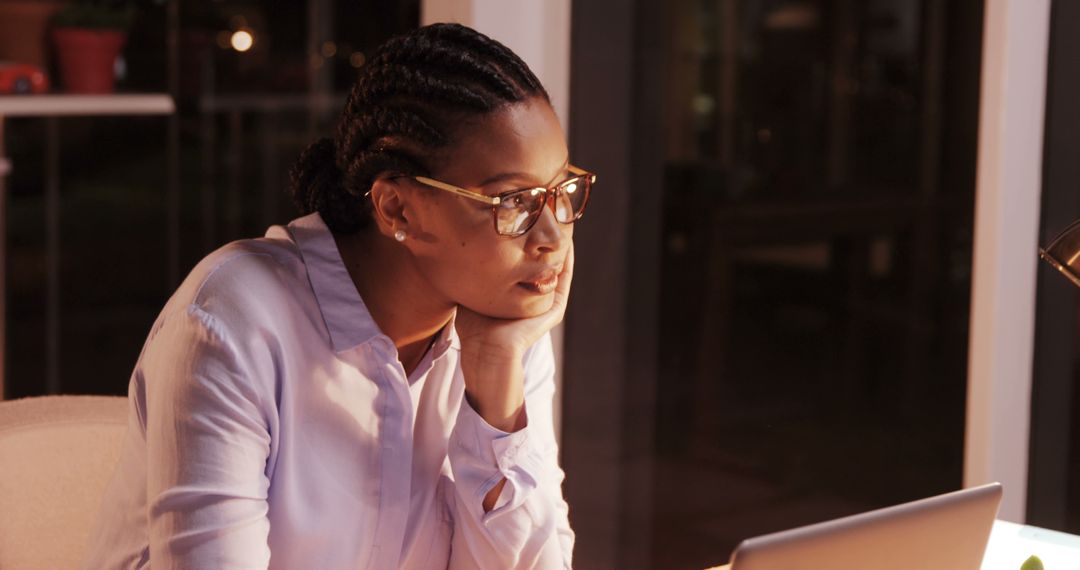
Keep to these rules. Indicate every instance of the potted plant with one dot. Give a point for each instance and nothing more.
(88, 36)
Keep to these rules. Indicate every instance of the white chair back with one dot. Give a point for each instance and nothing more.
(57, 453)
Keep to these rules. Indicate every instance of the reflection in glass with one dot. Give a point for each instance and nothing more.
(818, 196)
(1064, 252)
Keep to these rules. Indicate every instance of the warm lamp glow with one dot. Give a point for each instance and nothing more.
(242, 40)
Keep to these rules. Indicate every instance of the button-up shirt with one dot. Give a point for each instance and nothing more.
(271, 425)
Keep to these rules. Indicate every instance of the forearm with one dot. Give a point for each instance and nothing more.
(497, 471)
(498, 398)
(494, 386)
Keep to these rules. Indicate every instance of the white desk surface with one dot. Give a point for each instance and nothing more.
(1011, 544)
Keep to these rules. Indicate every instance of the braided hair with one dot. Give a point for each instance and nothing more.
(407, 100)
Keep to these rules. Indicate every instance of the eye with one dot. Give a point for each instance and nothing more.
(525, 199)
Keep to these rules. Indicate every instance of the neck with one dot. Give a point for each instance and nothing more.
(400, 299)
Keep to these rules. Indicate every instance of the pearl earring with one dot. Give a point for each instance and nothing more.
(399, 235)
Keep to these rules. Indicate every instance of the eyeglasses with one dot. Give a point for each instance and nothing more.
(515, 212)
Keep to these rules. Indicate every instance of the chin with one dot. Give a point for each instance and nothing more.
(537, 307)
(522, 309)
(529, 312)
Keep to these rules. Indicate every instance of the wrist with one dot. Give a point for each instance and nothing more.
(505, 418)
(491, 348)
(489, 355)
(494, 386)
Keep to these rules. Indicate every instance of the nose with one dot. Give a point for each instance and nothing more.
(547, 234)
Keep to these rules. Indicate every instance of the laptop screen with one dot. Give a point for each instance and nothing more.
(947, 531)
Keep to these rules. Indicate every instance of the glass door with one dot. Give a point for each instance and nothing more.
(816, 244)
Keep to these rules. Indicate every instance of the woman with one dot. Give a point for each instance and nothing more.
(371, 386)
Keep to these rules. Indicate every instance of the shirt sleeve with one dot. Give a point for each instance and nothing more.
(529, 526)
(207, 445)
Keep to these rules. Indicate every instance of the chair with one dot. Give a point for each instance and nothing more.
(57, 453)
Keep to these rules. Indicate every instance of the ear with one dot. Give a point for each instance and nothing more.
(389, 203)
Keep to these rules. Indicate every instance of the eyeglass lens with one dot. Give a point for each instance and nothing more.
(516, 213)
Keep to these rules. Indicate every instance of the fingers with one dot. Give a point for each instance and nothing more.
(553, 316)
(562, 290)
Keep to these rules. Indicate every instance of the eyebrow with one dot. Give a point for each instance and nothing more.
(512, 175)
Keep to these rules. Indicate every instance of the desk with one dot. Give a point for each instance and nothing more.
(51, 107)
(1011, 544)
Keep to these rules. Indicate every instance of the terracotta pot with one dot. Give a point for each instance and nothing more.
(22, 30)
(87, 58)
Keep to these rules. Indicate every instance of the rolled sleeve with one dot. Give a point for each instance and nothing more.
(487, 455)
(529, 525)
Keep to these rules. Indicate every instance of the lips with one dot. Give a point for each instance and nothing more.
(542, 283)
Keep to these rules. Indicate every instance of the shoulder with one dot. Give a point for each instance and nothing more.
(228, 318)
(244, 281)
(244, 271)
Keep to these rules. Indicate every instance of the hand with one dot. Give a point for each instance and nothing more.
(514, 336)
(492, 349)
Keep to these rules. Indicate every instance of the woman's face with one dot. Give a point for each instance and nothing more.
(453, 239)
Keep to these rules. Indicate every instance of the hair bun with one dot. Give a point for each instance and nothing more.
(314, 176)
(317, 186)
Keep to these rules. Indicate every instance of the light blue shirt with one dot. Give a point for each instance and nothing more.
(271, 425)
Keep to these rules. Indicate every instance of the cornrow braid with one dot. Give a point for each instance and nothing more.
(391, 82)
(402, 108)
(425, 55)
(491, 49)
(383, 123)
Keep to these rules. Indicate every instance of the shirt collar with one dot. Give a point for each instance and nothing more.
(347, 318)
(447, 338)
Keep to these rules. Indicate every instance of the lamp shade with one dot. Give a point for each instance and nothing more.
(1064, 252)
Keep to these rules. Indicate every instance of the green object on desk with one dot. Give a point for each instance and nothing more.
(1032, 563)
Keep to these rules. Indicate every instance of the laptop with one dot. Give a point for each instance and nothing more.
(946, 532)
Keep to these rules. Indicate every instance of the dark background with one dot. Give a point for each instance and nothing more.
(770, 322)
